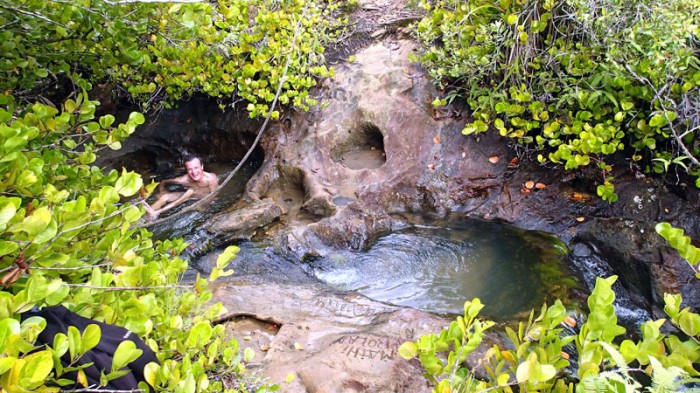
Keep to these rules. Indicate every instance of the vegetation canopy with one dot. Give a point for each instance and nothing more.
(575, 82)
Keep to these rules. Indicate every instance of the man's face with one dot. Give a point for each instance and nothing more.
(194, 169)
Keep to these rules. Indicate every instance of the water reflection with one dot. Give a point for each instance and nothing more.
(438, 268)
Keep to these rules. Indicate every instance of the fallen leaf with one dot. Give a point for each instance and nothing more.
(436, 139)
(431, 167)
(247, 338)
(529, 184)
(577, 196)
(514, 162)
(564, 355)
(570, 321)
(525, 191)
(298, 347)
(494, 159)
(265, 347)
(580, 219)
(540, 186)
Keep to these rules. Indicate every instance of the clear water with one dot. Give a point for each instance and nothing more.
(438, 268)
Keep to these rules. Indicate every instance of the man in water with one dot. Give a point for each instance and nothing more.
(197, 182)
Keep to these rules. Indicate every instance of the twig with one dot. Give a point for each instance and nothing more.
(71, 268)
(32, 14)
(96, 389)
(115, 289)
(151, 1)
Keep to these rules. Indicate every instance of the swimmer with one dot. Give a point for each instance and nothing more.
(197, 182)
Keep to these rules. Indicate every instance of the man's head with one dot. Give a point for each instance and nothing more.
(194, 167)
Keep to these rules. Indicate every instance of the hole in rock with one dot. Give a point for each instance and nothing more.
(289, 193)
(254, 333)
(363, 148)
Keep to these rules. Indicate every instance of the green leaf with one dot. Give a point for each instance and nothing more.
(150, 373)
(6, 363)
(106, 121)
(74, 344)
(126, 353)
(408, 350)
(35, 369)
(225, 257)
(7, 247)
(35, 224)
(8, 210)
(129, 183)
(657, 121)
(132, 214)
(47, 234)
(8, 327)
(248, 354)
(15, 143)
(199, 335)
(91, 337)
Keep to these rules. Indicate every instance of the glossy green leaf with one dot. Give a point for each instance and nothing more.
(129, 183)
(90, 338)
(126, 353)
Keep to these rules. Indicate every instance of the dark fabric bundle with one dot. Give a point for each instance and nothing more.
(58, 318)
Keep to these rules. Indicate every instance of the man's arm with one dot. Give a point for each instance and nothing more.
(176, 180)
(185, 196)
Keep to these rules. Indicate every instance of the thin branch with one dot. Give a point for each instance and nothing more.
(32, 14)
(151, 1)
(63, 232)
(96, 389)
(115, 289)
(71, 268)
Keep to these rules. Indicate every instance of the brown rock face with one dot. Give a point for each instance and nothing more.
(330, 341)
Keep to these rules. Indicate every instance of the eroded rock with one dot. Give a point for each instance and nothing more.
(244, 222)
(331, 341)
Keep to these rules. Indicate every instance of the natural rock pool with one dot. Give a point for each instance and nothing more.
(433, 268)
(437, 268)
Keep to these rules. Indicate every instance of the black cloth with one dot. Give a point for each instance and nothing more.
(58, 318)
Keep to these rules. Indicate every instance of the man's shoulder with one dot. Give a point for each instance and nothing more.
(211, 177)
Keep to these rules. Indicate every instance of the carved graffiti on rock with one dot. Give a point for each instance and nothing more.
(369, 347)
(342, 307)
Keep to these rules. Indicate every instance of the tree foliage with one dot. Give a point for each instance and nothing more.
(65, 238)
(161, 52)
(543, 355)
(575, 81)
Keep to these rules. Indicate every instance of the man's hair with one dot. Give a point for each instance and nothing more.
(189, 157)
